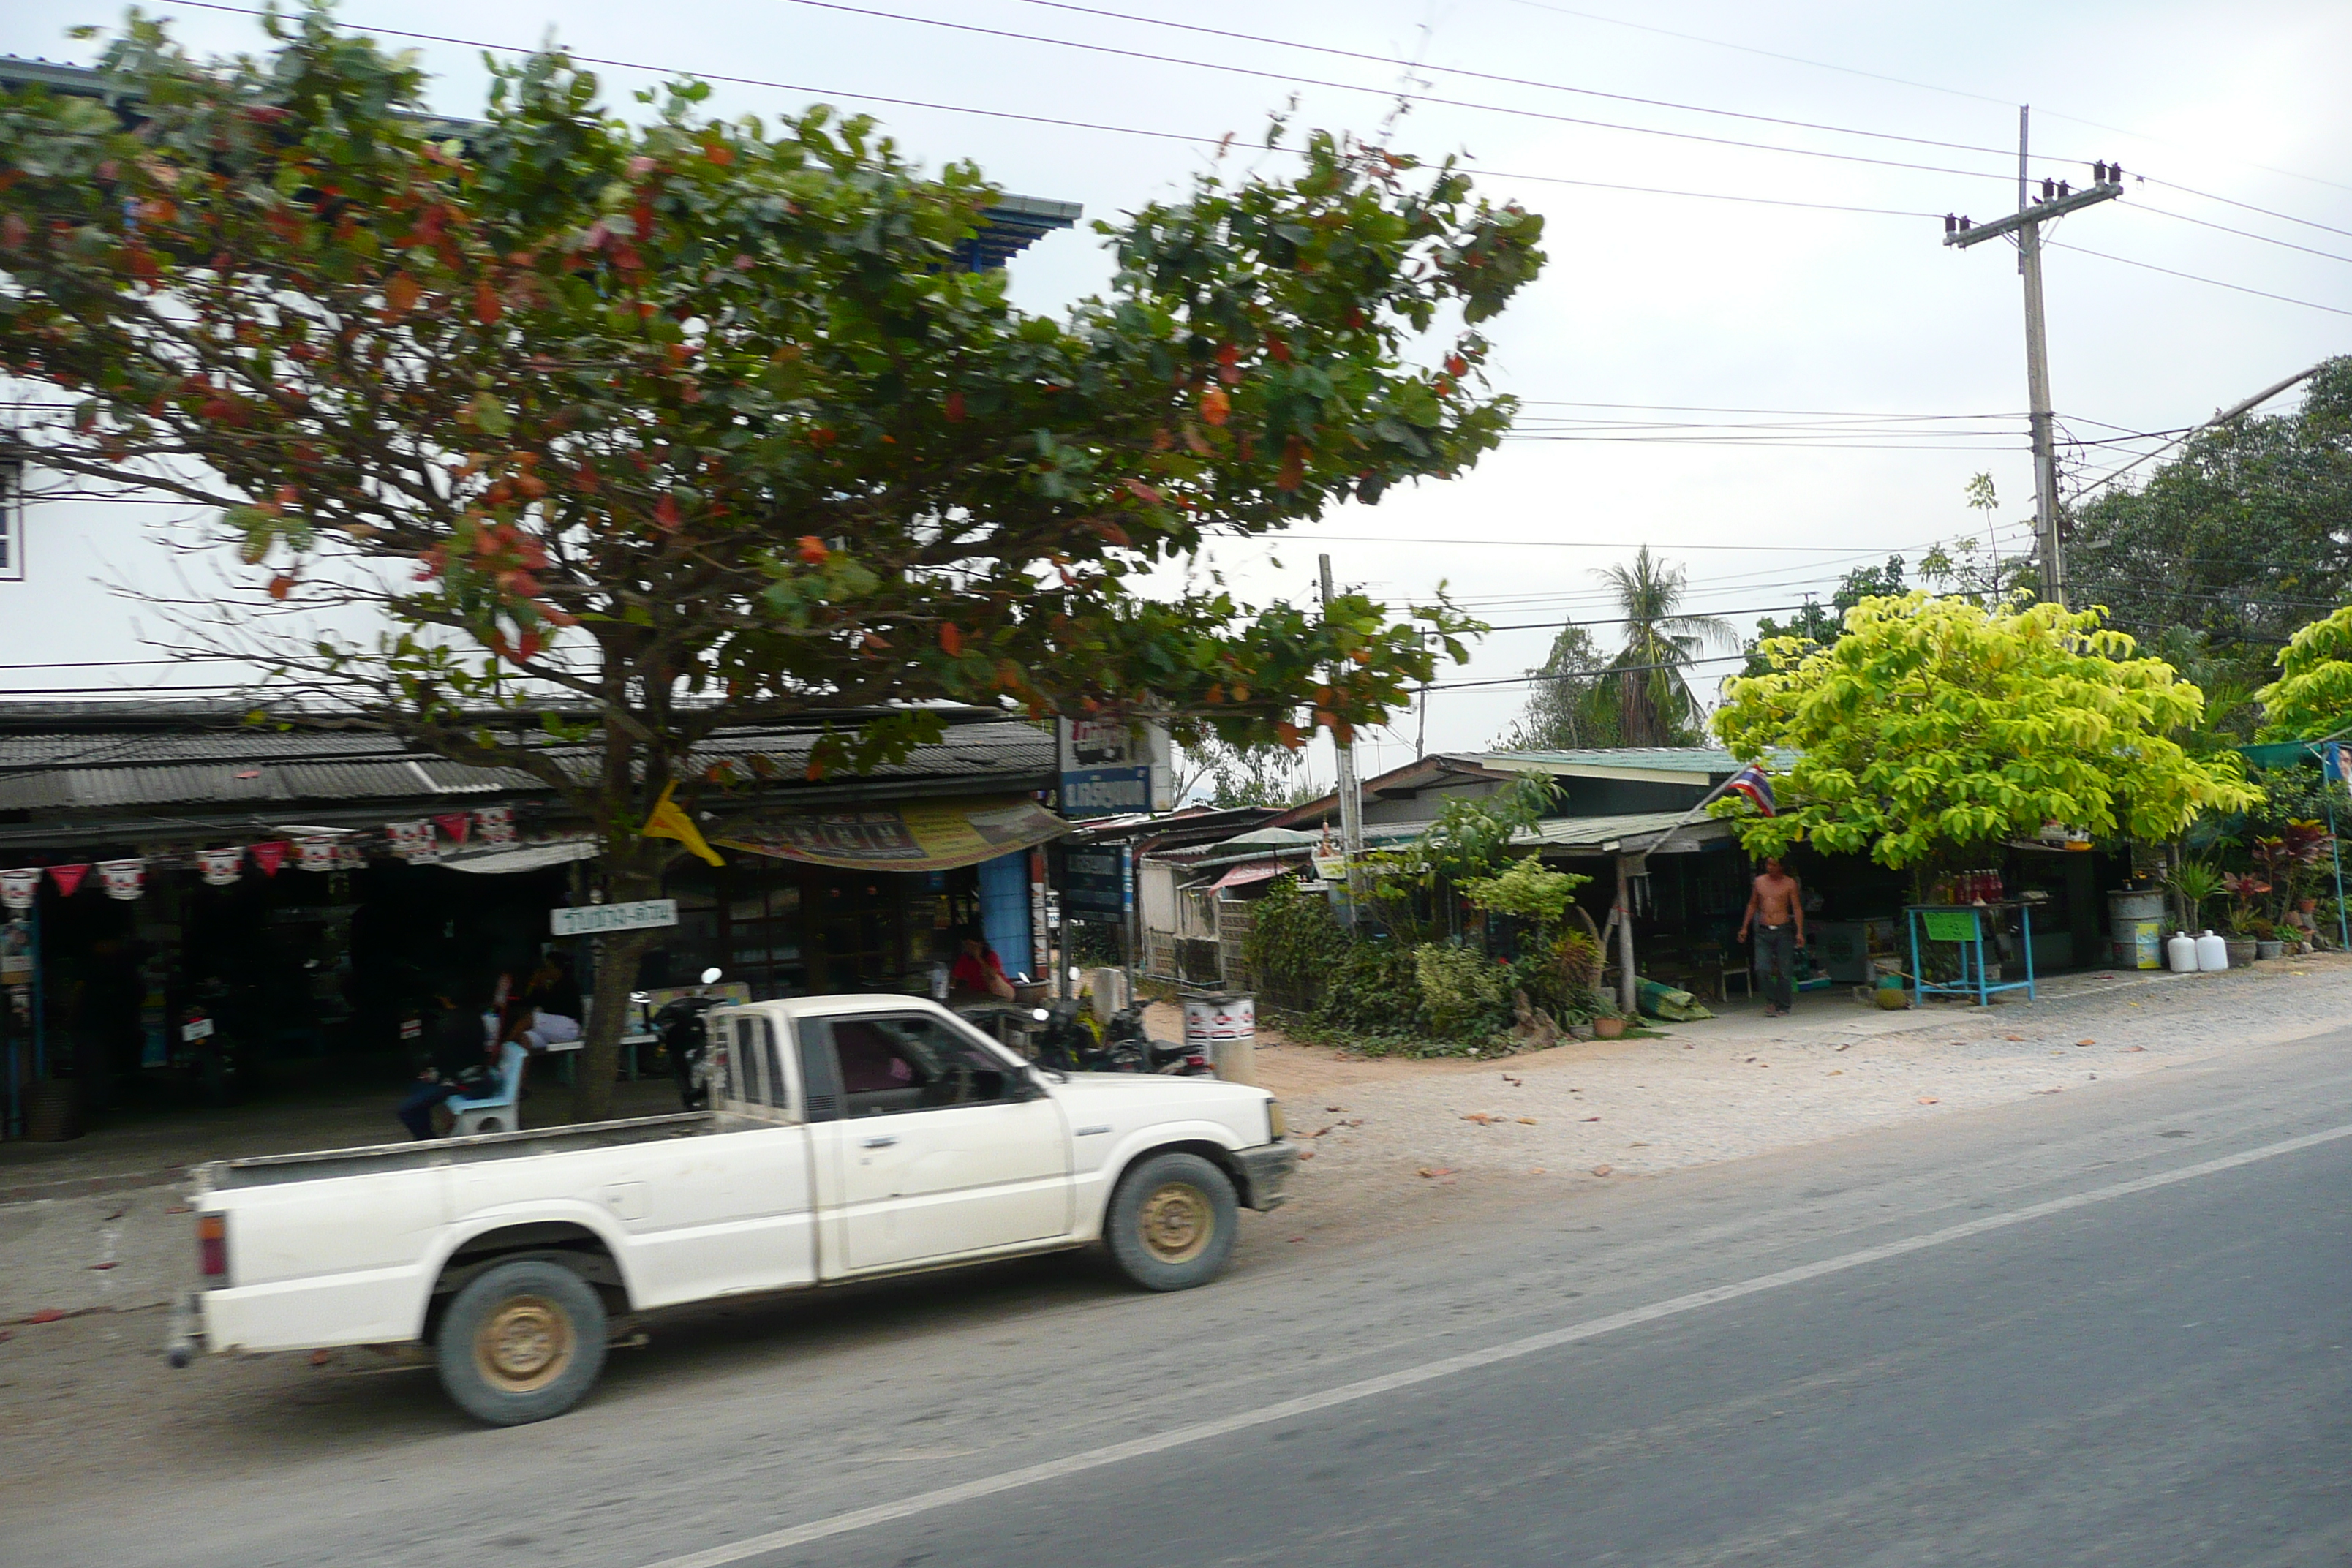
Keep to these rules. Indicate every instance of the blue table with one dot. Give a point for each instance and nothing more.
(1940, 922)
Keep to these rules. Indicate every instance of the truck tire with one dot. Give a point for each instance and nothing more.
(1173, 1222)
(522, 1341)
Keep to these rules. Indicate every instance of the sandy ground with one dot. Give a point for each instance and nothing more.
(1385, 1139)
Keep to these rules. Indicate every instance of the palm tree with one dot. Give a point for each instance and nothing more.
(1654, 701)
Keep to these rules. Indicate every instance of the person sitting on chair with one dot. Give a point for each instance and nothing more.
(460, 1060)
(977, 970)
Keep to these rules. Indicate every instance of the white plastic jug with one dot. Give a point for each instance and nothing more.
(2212, 952)
(2181, 953)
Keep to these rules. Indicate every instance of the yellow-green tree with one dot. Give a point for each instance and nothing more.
(1934, 727)
(2312, 697)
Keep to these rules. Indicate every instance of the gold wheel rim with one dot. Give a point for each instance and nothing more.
(1177, 1222)
(524, 1345)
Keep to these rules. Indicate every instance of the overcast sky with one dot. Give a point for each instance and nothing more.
(1656, 307)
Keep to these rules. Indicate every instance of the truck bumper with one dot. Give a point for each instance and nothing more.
(1264, 1170)
(185, 1331)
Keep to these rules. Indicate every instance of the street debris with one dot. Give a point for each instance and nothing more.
(1481, 1118)
(1926, 1099)
(2086, 1042)
(1434, 1171)
(1602, 1170)
(1526, 1122)
(1591, 1119)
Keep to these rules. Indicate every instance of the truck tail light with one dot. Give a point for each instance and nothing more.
(211, 1247)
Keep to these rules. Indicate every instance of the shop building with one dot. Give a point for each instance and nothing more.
(308, 893)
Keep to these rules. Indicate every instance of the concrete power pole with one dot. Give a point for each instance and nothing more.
(1351, 800)
(2056, 201)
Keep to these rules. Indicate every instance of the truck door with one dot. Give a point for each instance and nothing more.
(938, 1146)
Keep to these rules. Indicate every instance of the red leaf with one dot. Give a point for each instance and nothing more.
(719, 153)
(1215, 407)
(1229, 355)
(527, 647)
(1142, 491)
(1286, 733)
(14, 232)
(487, 309)
(280, 585)
(1455, 366)
(951, 638)
(46, 1315)
(813, 549)
(400, 296)
(955, 407)
(666, 513)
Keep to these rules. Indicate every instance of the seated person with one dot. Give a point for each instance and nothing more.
(460, 1063)
(977, 970)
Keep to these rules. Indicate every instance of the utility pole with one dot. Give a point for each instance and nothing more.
(2056, 201)
(1352, 801)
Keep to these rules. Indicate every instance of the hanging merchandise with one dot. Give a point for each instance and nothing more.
(69, 877)
(454, 825)
(315, 854)
(496, 824)
(349, 857)
(269, 855)
(124, 879)
(220, 867)
(410, 839)
(18, 888)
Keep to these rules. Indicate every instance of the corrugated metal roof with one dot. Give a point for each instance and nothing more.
(1604, 833)
(1694, 760)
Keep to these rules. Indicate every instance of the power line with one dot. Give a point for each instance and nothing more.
(2193, 278)
(2248, 207)
(1489, 76)
(2242, 232)
(1703, 408)
(1921, 86)
(1389, 93)
(1217, 142)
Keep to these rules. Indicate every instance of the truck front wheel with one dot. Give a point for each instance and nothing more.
(522, 1341)
(1173, 1222)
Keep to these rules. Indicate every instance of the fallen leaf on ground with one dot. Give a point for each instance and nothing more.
(1335, 1108)
(1837, 1073)
(1482, 1118)
(1847, 1047)
(1637, 1145)
(1307, 1154)
(1535, 1171)
(1526, 1122)
(2012, 1037)
(46, 1315)
(1601, 1170)
(118, 1214)
(1359, 1121)
(1317, 1134)
(1926, 1099)
(1591, 1119)
(320, 1358)
(102, 1266)
(1437, 1170)
(1297, 1238)
(2049, 1091)
(1508, 1078)
(2128, 1049)
(177, 1208)
(2086, 1042)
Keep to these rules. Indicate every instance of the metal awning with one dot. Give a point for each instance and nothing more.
(1249, 871)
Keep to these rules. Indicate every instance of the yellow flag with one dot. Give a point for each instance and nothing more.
(670, 821)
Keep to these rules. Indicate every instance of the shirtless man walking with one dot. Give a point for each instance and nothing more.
(1777, 910)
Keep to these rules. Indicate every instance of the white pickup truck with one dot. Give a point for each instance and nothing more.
(850, 1137)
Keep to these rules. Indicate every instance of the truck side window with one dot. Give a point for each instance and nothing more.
(914, 1063)
(762, 1075)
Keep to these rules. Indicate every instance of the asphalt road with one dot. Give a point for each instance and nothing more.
(2103, 1327)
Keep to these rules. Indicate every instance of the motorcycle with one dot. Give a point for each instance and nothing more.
(1068, 1045)
(685, 1036)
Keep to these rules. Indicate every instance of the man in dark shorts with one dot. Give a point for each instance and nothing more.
(1775, 909)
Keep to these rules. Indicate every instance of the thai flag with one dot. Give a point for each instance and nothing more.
(1751, 781)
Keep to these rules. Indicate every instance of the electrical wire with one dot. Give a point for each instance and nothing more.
(2242, 233)
(1490, 76)
(1188, 139)
(2248, 206)
(1289, 79)
(2193, 278)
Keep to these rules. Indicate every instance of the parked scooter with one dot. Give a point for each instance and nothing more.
(1168, 1056)
(685, 1036)
(1068, 1045)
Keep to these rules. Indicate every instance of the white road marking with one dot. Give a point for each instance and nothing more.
(1430, 1371)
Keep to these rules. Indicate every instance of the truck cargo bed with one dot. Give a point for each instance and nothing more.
(271, 1170)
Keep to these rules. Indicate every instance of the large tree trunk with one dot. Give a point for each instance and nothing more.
(618, 955)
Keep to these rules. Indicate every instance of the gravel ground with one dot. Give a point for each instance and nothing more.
(1382, 1138)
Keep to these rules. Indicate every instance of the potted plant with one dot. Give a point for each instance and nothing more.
(2193, 882)
(1607, 1022)
(2243, 888)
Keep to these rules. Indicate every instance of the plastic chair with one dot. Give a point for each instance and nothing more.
(500, 1110)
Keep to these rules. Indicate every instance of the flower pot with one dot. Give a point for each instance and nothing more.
(1607, 1028)
(2270, 950)
(2242, 951)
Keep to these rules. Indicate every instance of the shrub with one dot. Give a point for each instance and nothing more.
(1295, 946)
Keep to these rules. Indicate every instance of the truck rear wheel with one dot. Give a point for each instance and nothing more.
(1173, 1222)
(522, 1341)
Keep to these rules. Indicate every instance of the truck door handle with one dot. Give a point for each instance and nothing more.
(882, 1142)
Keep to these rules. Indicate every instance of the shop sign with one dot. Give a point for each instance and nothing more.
(1095, 884)
(587, 920)
(920, 836)
(1113, 768)
(16, 953)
